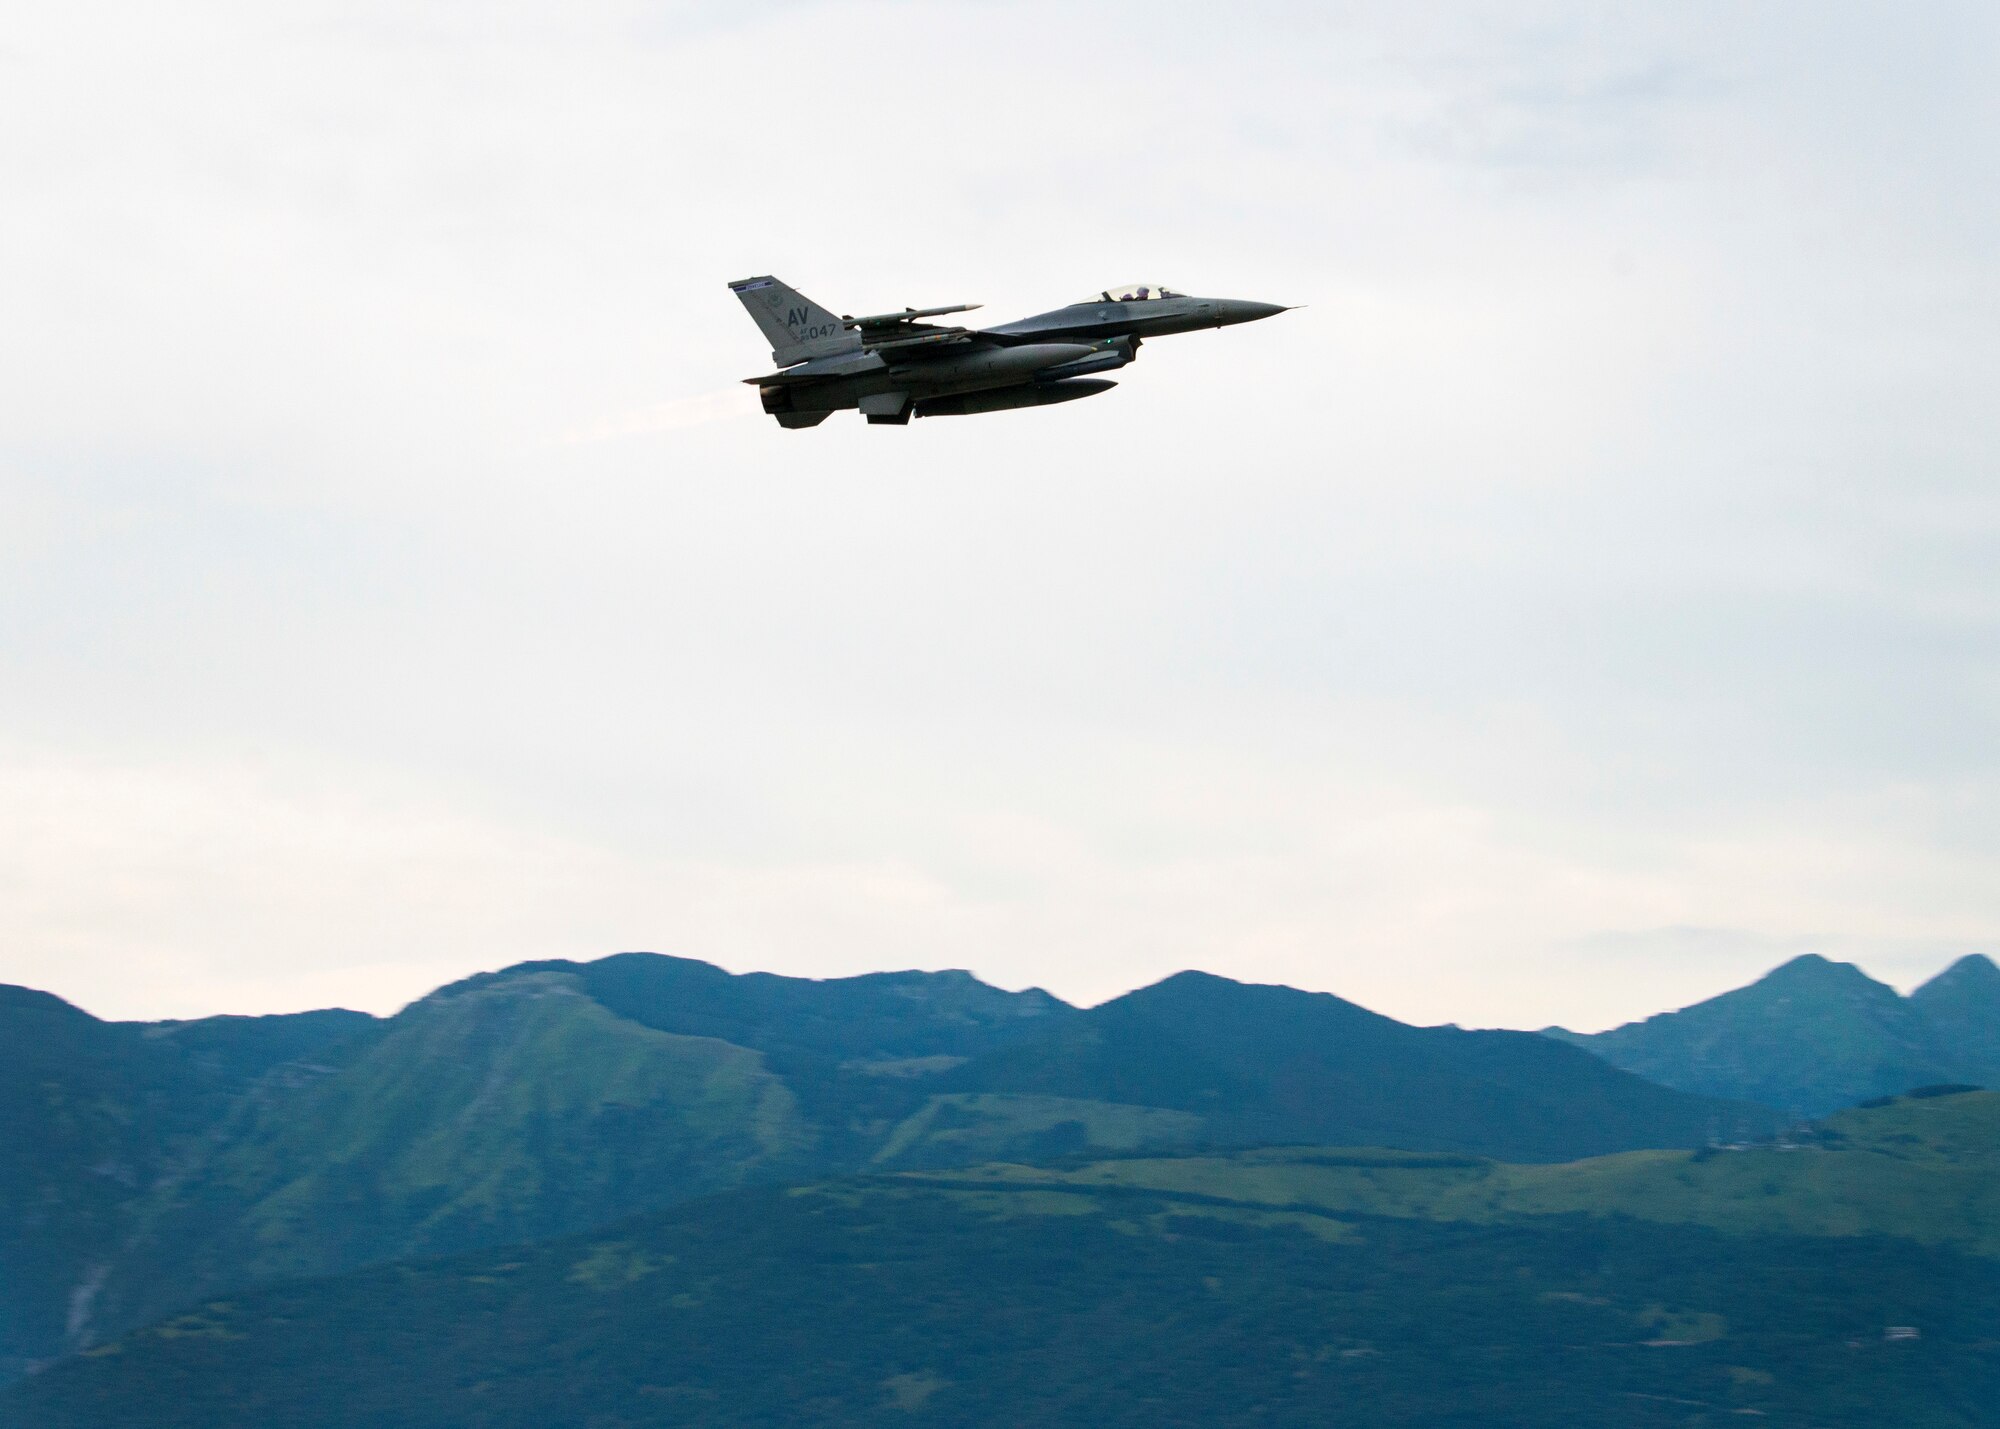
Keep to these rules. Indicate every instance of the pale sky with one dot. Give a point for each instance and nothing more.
(1590, 600)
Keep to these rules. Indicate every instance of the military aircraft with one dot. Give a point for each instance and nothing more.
(893, 366)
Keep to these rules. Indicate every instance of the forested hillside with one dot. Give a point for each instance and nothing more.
(1262, 1064)
(1843, 1283)
(94, 1117)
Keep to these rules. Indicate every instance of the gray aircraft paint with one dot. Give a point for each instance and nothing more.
(797, 327)
(892, 366)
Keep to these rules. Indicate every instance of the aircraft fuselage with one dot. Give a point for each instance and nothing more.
(893, 367)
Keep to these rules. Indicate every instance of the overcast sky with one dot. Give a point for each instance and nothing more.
(1590, 600)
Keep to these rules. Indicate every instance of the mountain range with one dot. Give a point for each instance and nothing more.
(147, 1168)
(154, 1164)
(1815, 1035)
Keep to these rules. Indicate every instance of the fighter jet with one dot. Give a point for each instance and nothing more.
(893, 366)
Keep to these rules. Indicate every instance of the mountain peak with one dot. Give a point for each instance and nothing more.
(1810, 1035)
(1961, 1005)
(1250, 1014)
(1810, 969)
(1191, 979)
(15, 998)
(1820, 981)
(1975, 974)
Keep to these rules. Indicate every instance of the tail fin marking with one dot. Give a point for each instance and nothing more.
(796, 327)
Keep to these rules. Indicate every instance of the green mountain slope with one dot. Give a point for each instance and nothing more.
(151, 1159)
(93, 1115)
(88, 1113)
(851, 1049)
(554, 1097)
(1286, 1287)
(1262, 1064)
(1806, 1038)
(504, 1110)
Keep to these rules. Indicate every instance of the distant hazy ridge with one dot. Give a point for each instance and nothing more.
(1814, 1035)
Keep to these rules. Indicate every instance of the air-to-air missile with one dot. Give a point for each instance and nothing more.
(893, 366)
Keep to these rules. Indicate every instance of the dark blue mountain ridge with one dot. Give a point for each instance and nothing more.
(234, 1051)
(1814, 1035)
(1266, 1064)
(1961, 1006)
(873, 1016)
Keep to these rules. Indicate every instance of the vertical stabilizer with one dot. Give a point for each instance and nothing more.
(796, 327)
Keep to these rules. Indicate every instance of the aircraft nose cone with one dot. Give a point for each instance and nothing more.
(1241, 310)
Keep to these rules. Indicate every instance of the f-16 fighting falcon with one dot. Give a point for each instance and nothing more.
(894, 366)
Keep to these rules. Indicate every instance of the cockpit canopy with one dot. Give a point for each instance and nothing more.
(1133, 293)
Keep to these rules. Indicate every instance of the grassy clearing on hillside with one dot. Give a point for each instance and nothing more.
(1926, 1170)
(961, 1126)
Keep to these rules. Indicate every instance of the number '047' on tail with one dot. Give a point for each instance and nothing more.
(796, 327)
